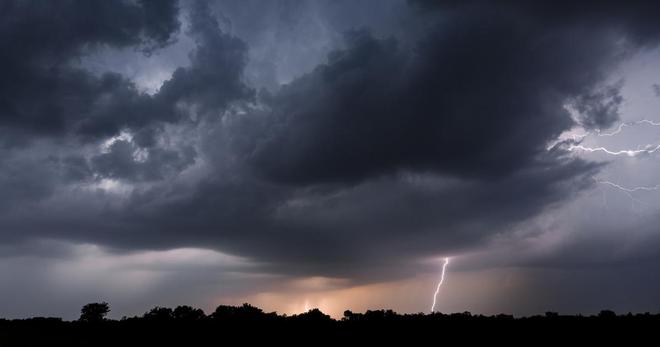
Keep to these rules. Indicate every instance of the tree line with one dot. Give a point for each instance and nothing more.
(189, 326)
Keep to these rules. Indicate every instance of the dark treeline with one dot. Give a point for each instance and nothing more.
(189, 326)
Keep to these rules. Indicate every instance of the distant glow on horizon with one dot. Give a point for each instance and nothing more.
(442, 279)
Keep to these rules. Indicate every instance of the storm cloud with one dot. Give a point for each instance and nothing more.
(426, 131)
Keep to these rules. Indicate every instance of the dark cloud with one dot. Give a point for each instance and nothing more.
(43, 92)
(54, 33)
(46, 96)
(24, 181)
(472, 103)
(445, 106)
(375, 229)
(289, 38)
(75, 168)
(215, 77)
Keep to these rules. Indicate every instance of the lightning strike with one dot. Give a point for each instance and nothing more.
(633, 189)
(649, 149)
(442, 279)
(628, 191)
(628, 124)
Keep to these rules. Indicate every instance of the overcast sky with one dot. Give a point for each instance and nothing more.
(331, 154)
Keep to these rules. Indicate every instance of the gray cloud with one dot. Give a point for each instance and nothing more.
(656, 89)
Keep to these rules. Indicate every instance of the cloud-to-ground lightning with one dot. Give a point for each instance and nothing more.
(442, 279)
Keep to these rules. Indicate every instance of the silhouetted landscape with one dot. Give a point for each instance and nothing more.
(432, 156)
(186, 325)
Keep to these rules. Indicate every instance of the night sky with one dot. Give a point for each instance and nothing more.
(330, 154)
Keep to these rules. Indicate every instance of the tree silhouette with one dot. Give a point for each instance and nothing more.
(244, 312)
(607, 314)
(189, 326)
(313, 316)
(94, 312)
(348, 315)
(188, 313)
(159, 314)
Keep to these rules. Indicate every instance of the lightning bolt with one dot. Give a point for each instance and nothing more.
(442, 279)
(628, 124)
(630, 190)
(618, 129)
(633, 189)
(649, 149)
